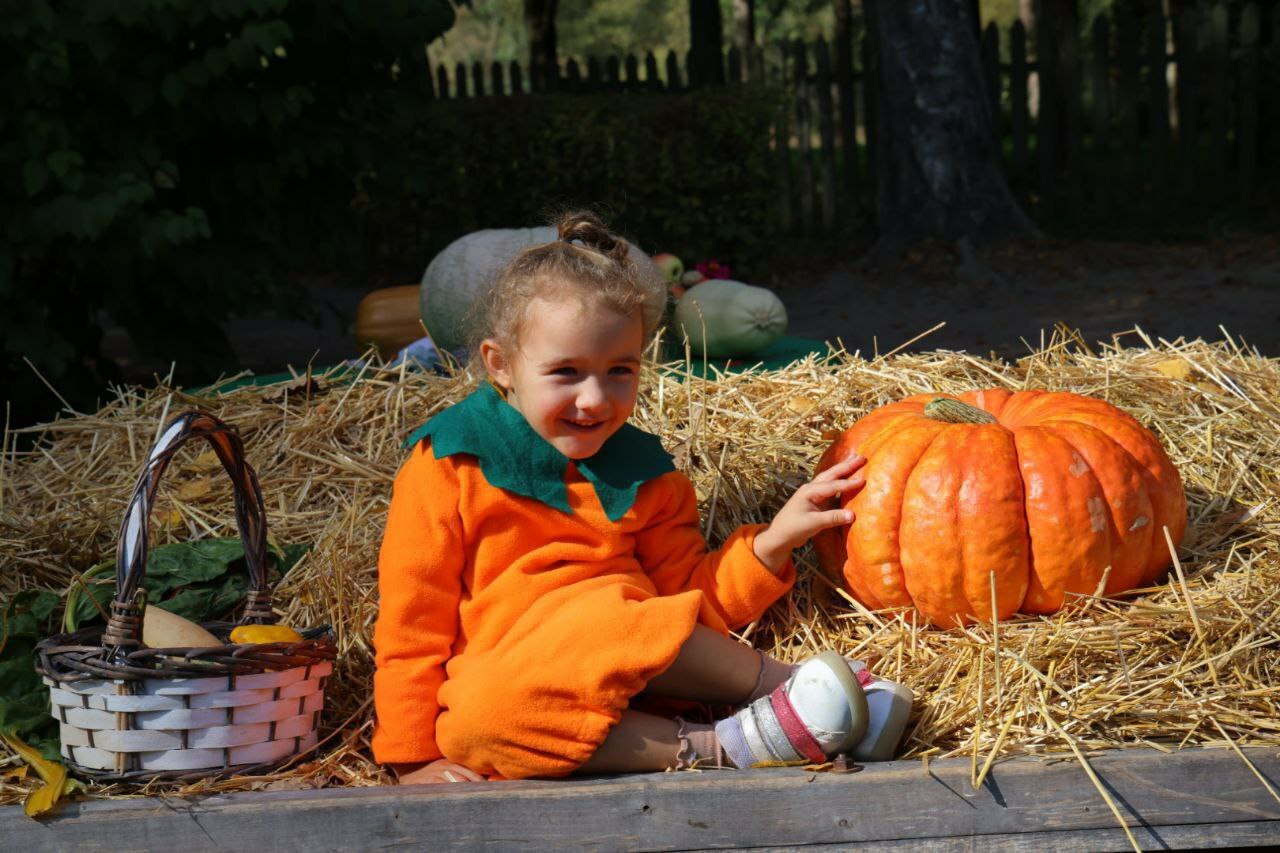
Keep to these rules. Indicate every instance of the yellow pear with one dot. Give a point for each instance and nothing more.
(164, 630)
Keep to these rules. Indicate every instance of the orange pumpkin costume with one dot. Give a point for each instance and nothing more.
(512, 633)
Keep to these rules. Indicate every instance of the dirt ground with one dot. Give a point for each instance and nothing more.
(1006, 299)
(998, 302)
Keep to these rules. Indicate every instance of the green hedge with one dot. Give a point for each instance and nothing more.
(687, 173)
(175, 161)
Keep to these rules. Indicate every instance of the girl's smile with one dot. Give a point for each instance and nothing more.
(575, 373)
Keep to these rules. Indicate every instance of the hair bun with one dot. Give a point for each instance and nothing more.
(586, 229)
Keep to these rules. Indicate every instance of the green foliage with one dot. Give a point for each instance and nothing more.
(202, 580)
(686, 173)
(171, 161)
(24, 699)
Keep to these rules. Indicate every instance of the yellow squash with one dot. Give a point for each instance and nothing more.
(264, 634)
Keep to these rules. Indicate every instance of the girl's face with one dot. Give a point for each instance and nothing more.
(576, 373)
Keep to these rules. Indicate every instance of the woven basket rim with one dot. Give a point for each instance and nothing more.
(79, 655)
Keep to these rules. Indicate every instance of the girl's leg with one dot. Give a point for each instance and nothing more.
(714, 668)
(638, 743)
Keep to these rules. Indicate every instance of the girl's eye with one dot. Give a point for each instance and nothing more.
(564, 371)
(621, 371)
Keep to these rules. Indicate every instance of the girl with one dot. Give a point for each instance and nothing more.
(543, 565)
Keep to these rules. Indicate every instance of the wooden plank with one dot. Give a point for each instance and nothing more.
(673, 72)
(496, 83)
(442, 82)
(1218, 97)
(1047, 117)
(846, 101)
(1127, 47)
(1158, 86)
(870, 132)
(1247, 141)
(782, 148)
(1187, 98)
(990, 55)
(1197, 796)
(1019, 110)
(1104, 177)
(594, 75)
(460, 81)
(1069, 99)
(800, 81)
(631, 66)
(572, 76)
(517, 78)
(1203, 836)
(652, 79)
(477, 78)
(612, 74)
(826, 135)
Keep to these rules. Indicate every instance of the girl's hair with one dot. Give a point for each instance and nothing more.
(586, 260)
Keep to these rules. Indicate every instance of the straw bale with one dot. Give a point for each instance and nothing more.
(1192, 660)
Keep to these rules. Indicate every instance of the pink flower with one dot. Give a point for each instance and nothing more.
(713, 269)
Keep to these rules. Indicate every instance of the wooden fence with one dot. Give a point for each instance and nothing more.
(1134, 113)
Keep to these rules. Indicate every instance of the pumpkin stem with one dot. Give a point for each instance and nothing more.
(952, 411)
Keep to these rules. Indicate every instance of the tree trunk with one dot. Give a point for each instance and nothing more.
(540, 24)
(938, 171)
(744, 24)
(706, 43)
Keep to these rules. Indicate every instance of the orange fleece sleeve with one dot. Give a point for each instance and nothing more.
(419, 585)
(671, 550)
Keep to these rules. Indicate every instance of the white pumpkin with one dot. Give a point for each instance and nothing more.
(463, 269)
(726, 319)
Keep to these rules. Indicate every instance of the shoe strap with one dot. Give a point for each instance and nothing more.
(796, 731)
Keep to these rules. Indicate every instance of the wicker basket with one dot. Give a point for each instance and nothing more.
(131, 713)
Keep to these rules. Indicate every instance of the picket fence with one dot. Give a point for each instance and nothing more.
(1098, 122)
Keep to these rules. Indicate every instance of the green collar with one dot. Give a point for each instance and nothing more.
(514, 457)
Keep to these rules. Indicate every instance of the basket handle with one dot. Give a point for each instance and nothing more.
(124, 626)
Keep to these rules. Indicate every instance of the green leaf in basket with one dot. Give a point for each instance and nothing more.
(202, 580)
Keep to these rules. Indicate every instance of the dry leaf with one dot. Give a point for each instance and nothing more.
(56, 783)
(302, 388)
(195, 489)
(1174, 368)
(14, 774)
(800, 405)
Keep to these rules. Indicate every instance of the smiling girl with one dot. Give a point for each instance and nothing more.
(543, 565)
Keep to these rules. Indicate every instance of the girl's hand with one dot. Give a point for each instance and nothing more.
(807, 512)
(440, 770)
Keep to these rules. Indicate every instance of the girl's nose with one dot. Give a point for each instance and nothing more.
(591, 395)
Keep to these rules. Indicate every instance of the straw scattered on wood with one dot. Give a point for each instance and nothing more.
(1193, 660)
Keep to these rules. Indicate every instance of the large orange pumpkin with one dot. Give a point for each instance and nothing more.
(1047, 490)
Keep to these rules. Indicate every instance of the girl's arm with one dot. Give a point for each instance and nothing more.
(420, 586)
(753, 567)
(733, 580)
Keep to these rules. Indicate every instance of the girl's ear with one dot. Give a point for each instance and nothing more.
(496, 363)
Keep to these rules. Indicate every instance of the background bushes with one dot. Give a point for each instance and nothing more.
(689, 173)
(169, 163)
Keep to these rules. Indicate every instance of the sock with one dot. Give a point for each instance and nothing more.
(772, 673)
(699, 742)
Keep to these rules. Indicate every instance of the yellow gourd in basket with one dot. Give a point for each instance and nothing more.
(264, 634)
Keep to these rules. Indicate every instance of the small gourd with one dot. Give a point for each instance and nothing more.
(723, 318)
(164, 630)
(264, 634)
(387, 318)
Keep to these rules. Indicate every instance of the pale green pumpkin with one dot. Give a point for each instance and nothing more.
(729, 319)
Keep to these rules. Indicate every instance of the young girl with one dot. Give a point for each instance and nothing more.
(543, 564)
